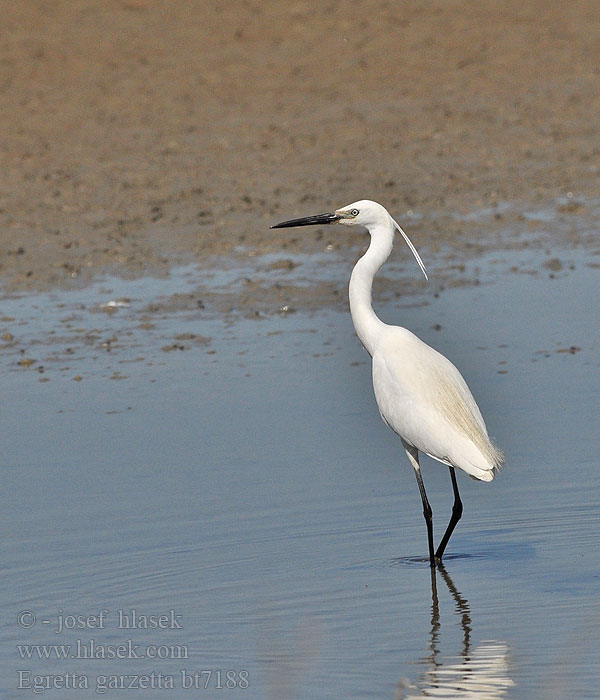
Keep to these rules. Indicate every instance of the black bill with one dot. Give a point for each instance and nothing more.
(309, 221)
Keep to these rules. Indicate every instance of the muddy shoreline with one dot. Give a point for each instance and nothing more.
(137, 135)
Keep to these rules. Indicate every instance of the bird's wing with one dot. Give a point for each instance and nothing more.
(423, 397)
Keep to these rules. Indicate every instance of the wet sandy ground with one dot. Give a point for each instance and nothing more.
(103, 328)
(137, 134)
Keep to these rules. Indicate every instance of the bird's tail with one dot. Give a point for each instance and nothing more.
(486, 471)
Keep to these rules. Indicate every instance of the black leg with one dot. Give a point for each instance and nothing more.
(413, 456)
(457, 510)
(428, 516)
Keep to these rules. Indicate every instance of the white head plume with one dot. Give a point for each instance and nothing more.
(412, 249)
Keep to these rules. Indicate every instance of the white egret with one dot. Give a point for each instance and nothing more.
(421, 395)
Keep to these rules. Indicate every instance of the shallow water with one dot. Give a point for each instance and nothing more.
(247, 489)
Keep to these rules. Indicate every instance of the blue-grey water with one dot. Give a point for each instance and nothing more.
(243, 497)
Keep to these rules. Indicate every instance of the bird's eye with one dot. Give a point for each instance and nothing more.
(354, 212)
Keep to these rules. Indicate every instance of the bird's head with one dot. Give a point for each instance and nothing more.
(362, 213)
(375, 218)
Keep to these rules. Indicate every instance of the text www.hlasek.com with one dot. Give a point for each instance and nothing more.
(90, 649)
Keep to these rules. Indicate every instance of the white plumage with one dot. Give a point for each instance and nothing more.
(421, 395)
(430, 406)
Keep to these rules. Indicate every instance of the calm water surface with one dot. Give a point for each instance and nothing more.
(247, 491)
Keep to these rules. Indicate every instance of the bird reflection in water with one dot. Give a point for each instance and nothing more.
(476, 674)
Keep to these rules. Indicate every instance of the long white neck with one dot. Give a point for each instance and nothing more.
(366, 323)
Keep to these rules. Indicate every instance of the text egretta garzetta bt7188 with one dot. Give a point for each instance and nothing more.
(421, 395)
